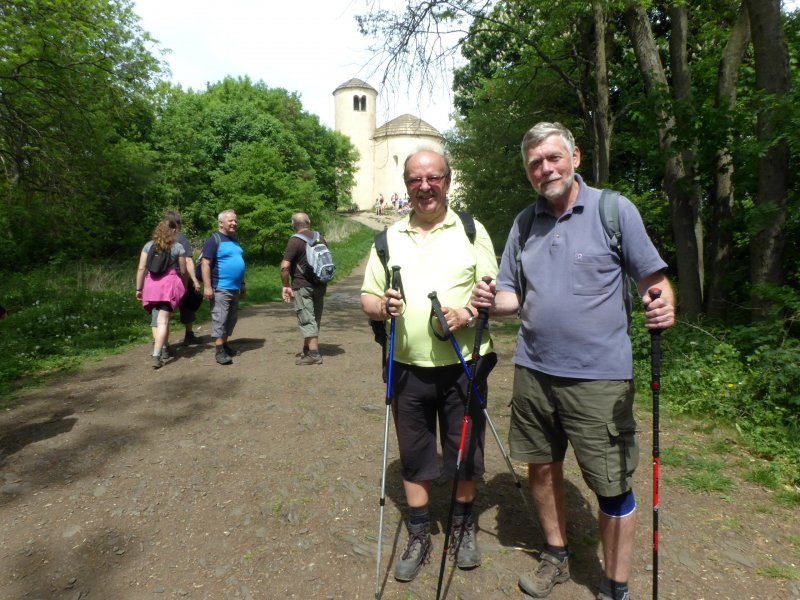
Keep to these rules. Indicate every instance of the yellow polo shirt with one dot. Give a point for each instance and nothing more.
(444, 261)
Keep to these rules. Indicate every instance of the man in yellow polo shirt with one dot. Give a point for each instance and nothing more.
(434, 253)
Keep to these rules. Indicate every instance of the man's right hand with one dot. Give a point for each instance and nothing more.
(288, 294)
(483, 295)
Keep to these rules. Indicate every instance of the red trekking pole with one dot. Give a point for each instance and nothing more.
(655, 386)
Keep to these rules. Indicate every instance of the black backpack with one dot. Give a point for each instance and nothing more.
(382, 249)
(158, 263)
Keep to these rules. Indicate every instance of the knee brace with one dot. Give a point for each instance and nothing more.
(617, 507)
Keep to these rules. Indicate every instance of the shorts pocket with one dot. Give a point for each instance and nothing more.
(622, 455)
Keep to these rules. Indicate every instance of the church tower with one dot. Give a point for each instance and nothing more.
(355, 115)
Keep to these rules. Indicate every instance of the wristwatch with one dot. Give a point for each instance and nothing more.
(471, 320)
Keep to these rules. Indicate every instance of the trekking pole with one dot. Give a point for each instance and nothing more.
(437, 309)
(395, 285)
(655, 386)
(506, 458)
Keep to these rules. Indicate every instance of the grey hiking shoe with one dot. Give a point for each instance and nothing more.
(604, 596)
(230, 350)
(541, 581)
(222, 356)
(309, 359)
(165, 353)
(464, 544)
(416, 554)
(155, 361)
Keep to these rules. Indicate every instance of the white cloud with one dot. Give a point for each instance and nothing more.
(308, 47)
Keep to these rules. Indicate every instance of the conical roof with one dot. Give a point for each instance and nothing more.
(355, 83)
(406, 125)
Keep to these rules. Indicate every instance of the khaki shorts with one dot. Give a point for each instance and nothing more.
(594, 416)
(308, 305)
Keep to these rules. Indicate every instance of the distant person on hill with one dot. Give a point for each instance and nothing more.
(161, 289)
(223, 283)
(308, 297)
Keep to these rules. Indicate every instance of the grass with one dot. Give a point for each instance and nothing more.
(61, 316)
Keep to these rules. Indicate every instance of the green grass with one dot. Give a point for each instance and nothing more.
(788, 573)
(60, 317)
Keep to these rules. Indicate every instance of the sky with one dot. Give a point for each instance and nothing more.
(305, 46)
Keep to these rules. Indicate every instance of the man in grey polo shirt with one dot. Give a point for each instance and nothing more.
(574, 367)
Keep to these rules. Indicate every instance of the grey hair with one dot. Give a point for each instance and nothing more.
(300, 221)
(541, 131)
(223, 213)
(432, 151)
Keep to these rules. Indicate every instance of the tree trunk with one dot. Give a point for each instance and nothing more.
(720, 246)
(683, 222)
(602, 124)
(682, 92)
(772, 77)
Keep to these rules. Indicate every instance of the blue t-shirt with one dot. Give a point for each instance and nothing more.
(227, 261)
(574, 321)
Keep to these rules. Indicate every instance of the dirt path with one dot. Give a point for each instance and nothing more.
(261, 480)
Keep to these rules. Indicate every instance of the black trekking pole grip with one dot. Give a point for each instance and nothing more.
(655, 386)
(436, 308)
(480, 326)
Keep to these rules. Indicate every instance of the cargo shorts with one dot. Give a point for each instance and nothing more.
(595, 417)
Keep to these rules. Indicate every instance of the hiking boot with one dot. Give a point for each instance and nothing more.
(155, 361)
(309, 359)
(604, 596)
(541, 581)
(190, 339)
(222, 356)
(231, 351)
(165, 353)
(468, 555)
(416, 554)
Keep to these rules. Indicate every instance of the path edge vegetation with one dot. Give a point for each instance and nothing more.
(739, 396)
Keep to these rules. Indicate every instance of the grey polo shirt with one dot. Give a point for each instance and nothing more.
(574, 322)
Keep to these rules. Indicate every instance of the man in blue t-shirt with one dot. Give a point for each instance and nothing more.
(573, 377)
(223, 283)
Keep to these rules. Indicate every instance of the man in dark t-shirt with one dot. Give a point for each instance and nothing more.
(309, 298)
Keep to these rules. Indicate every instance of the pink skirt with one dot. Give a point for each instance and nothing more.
(165, 288)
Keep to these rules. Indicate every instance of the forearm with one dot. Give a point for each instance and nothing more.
(504, 304)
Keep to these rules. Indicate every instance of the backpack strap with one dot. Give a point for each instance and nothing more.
(524, 226)
(609, 216)
(469, 225)
(382, 249)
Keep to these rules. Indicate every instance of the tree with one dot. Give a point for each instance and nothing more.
(773, 80)
(245, 146)
(74, 83)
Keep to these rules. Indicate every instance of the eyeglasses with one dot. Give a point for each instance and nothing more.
(433, 180)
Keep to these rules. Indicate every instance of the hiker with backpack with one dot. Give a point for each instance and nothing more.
(160, 282)
(574, 367)
(223, 270)
(306, 269)
(192, 298)
(439, 251)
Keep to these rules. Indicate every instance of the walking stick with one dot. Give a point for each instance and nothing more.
(506, 458)
(655, 386)
(395, 286)
(437, 309)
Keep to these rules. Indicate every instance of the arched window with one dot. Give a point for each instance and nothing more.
(355, 102)
(363, 103)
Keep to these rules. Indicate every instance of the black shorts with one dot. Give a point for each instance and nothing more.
(423, 396)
